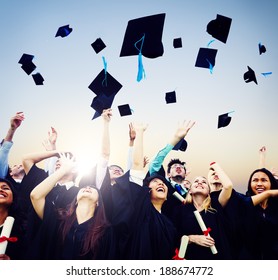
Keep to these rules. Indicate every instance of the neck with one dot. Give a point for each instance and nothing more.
(158, 204)
(84, 211)
(263, 204)
(198, 201)
(177, 179)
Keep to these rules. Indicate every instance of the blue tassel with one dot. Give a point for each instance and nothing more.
(141, 71)
(104, 82)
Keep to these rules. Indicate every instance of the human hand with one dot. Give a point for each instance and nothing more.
(202, 240)
(183, 129)
(132, 132)
(146, 161)
(4, 257)
(17, 120)
(107, 114)
(50, 143)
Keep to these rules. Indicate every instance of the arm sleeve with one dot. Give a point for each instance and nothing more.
(101, 169)
(129, 158)
(4, 155)
(157, 162)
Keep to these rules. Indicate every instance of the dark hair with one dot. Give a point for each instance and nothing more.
(14, 206)
(175, 161)
(148, 179)
(273, 181)
(95, 231)
(114, 165)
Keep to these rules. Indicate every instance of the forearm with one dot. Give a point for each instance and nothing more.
(4, 156)
(157, 162)
(105, 146)
(10, 134)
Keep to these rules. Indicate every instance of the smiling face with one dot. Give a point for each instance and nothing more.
(260, 182)
(200, 186)
(158, 189)
(115, 172)
(89, 193)
(6, 195)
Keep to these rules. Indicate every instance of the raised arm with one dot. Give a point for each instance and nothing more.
(262, 156)
(258, 198)
(180, 133)
(40, 192)
(7, 143)
(105, 142)
(227, 185)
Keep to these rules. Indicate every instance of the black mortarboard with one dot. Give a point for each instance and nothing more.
(206, 58)
(98, 45)
(177, 43)
(104, 83)
(101, 102)
(63, 31)
(250, 76)
(26, 63)
(181, 145)
(124, 110)
(170, 97)
(224, 120)
(150, 28)
(38, 79)
(219, 28)
(262, 48)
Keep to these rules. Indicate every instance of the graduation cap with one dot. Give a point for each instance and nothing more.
(27, 64)
(98, 45)
(38, 79)
(224, 120)
(262, 48)
(219, 28)
(150, 28)
(181, 145)
(250, 76)
(101, 102)
(177, 43)
(170, 97)
(206, 58)
(124, 110)
(106, 84)
(63, 31)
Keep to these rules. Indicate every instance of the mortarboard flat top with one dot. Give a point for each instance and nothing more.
(181, 145)
(219, 28)
(149, 27)
(124, 110)
(38, 79)
(170, 97)
(98, 45)
(262, 49)
(206, 58)
(104, 83)
(100, 103)
(224, 120)
(63, 31)
(177, 43)
(26, 63)
(250, 76)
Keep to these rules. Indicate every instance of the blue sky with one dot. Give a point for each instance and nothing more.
(69, 65)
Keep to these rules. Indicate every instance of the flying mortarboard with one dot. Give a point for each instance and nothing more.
(27, 64)
(98, 45)
(206, 58)
(181, 145)
(101, 102)
(149, 27)
(250, 76)
(104, 83)
(262, 48)
(224, 120)
(63, 31)
(38, 79)
(124, 110)
(170, 97)
(177, 43)
(219, 28)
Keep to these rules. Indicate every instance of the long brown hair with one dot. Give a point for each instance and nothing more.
(95, 231)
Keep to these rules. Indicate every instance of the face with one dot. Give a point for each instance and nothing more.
(213, 177)
(200, 185)
(187, 184)
(115, 171)
(158, 189)
(17, 170)
(88, 192)
(260, 182)
(177, 170)
(6, 195)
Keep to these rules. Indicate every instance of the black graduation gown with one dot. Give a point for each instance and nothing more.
(187, 224)
(144, 233)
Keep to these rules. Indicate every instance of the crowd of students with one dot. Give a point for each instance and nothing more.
(133, 215)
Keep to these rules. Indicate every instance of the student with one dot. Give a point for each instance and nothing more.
(80, 231)
(145, 232)
(211, 211)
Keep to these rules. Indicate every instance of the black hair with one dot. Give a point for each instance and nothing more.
(175, 161)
